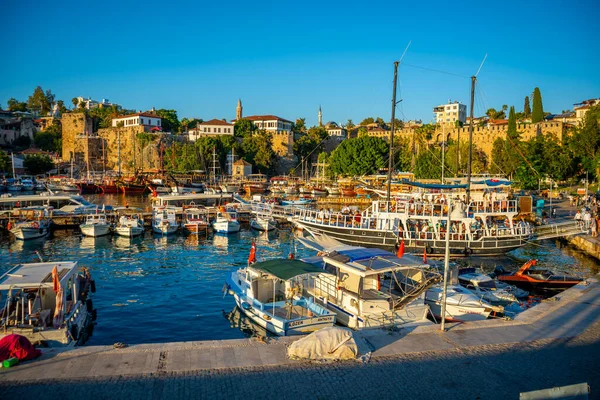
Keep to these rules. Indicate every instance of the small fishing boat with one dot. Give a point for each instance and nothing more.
(130, 226)
(164, 220)
(538, 281)
(318, 191)
(230, 188)
(33, 223)
(226, 222)
(333, 190)
(462, 305)
(348, 192)
(263, 222)
(27, 184)
(369, 288)
(88, 188)
(13, 185)
(270, 293)
(196, 220)
(95, 225)
(48, 302)
(488, 289)
(291, 190)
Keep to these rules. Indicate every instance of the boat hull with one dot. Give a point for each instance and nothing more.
(129, 231)
(95, 230)
(226, 227)
(263, 225)
(29, 233)
(164, 229)
(89, 188)
(458, 313)
(196, 229)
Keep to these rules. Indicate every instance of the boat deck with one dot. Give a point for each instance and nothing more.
(297, 311)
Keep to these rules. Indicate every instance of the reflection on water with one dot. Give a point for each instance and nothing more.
(238, 320)
(159, 289)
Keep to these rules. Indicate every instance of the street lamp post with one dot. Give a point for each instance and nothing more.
(446, 265)
(443, 144)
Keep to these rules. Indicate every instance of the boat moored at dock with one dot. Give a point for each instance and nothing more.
(130, 226)
(95, 225)
(31, 223)
(484, 228)
(271, 294)
(263, 222)
(539, 281)
(462, 305)
(48, 302)
(164, 220)
(226, 222)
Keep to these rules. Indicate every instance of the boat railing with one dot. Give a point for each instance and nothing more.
(408, 208)
(493, 207)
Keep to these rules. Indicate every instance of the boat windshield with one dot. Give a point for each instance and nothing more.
(82, 201)
(487, 284)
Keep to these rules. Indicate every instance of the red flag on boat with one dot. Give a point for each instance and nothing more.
(55, 281)
(400, 252)
(425, 255)
(252, 256)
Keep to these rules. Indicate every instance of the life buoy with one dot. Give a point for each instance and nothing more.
(9, 226)
(35, 225)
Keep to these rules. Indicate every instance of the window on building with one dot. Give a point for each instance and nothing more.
(142, 121)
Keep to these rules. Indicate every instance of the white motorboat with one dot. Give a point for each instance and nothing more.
(230, 188)
(95, 225)
(226, 222)
(462, 305)
(371, 288)
(270, 293)
(48, 302)
(164, 220)
(196, 220)
(33, 223)
(488, 289)
(263, 222)
(130, 226)
(333, 190)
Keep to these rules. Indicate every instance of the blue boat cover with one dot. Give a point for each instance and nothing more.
(364, 253)
(433, 185)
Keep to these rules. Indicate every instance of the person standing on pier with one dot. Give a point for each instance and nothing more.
(587, 218)
(578, 218)
(594, 226)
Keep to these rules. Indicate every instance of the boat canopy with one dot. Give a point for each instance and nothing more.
(286, 269)
(433, 185)
(493, 182)
(36, 275)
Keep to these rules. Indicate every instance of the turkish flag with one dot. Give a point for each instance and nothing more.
(252, 256)
(400, 252)
(425, 255)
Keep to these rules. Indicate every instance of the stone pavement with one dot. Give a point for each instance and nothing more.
(555, 343)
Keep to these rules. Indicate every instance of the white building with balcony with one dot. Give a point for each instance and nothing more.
(271, 123)
(448, 114)
(139, 119)
(214, 127)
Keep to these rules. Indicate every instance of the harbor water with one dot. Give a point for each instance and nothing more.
(156, 289)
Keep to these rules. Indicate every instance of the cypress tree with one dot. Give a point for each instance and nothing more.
(537, 114)
(512, 125)
(527, 107)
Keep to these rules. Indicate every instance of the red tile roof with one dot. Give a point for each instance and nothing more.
(216, 122)
(265, 118)
(138, 115)
(498, 121)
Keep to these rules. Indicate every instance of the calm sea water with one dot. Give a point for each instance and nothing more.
(160, 289)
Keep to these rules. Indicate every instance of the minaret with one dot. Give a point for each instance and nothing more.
(238, 111)
(320, 116)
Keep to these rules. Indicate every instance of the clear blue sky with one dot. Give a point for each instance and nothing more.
(287, 58)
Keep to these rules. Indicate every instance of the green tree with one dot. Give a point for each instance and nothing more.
(367, 121)
(5, 162)
(586, 140)
(15, 105)
(170, 122)
(527, 107)
(41, 101)
(359, 156)
(22, 142)
(299, 127)
(492, 113)
(512, 125)
(38, 164)
(362, 131)
(537, 115)
(50, 139)
(349, 124)
(61, 107)
(243, 127)
(258, 150)
(75, 102)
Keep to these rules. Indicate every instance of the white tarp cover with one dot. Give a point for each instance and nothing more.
(327, 344)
